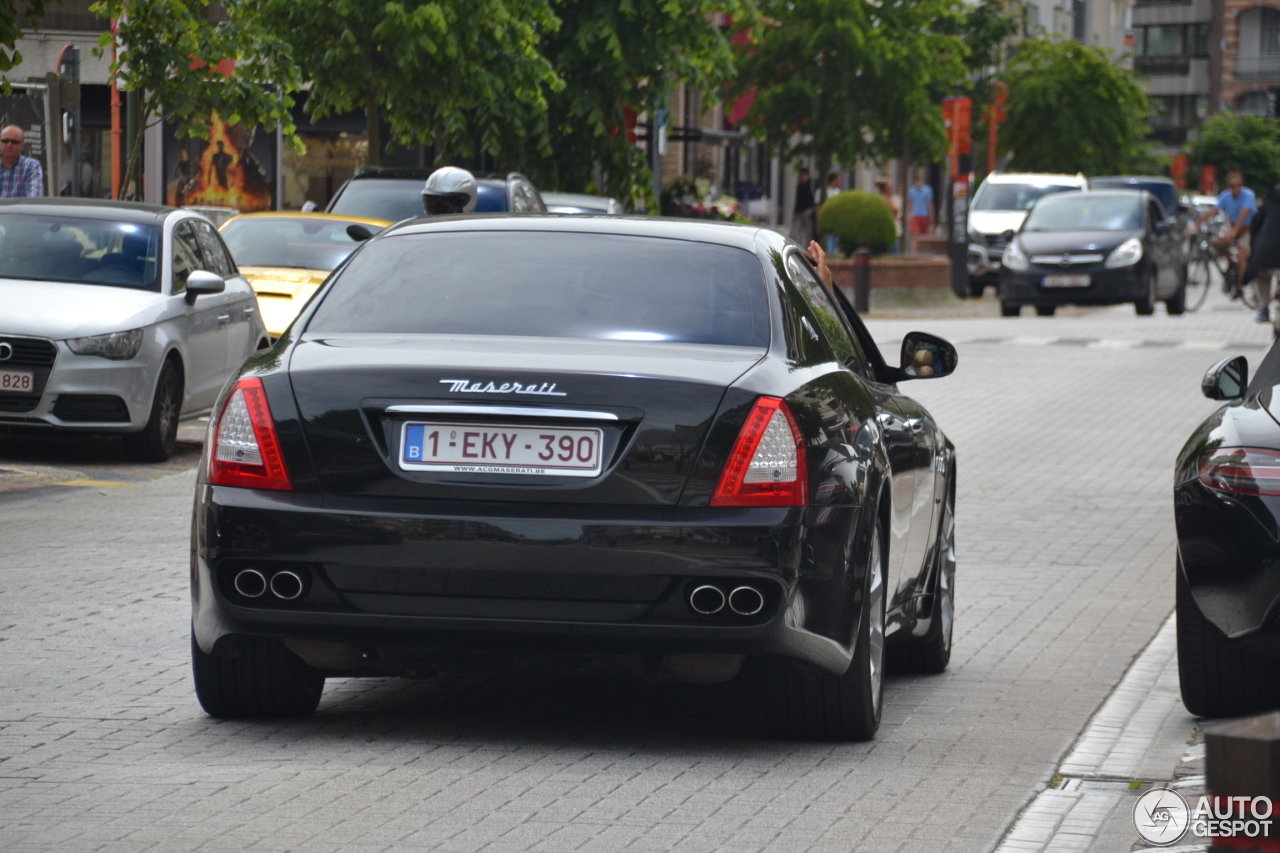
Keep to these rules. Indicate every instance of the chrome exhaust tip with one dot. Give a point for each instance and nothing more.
(286, 585)
(707, 600)
(250, 583)
(746, 601)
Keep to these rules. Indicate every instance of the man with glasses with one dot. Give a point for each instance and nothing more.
(20, 176)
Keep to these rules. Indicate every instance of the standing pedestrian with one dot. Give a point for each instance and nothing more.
(802, 224)
(1264, 261)
(923, 211)
(20, 176)
(835, 186)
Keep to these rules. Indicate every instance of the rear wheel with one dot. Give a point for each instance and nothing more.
(158, 439)
(801, 705)
(1198, 279)
(1010, 309)
(266, 681)
(1177, 303)
(1146, 305)
(976, 288)
(1218, 679)
(1045, 310)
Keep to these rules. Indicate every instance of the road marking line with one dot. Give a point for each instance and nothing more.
(1209, 346)
(1105, 757)
(1114, 343)
(97, 484)
(1032, 341)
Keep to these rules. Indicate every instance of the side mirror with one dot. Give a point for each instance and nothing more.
(1226, 380)
(202, 283)
(926, 356)
(359, 232)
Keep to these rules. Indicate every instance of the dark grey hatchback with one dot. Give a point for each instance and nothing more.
(1095, 248)
(621, 445)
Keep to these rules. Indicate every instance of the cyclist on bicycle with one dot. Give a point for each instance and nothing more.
(1239, 204)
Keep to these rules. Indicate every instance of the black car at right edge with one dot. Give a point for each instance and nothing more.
(1227, 511)
(630, 445)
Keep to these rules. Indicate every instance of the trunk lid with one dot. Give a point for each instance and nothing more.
(651, 402)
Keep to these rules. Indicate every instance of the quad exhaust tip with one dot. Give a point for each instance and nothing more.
(746, 601)
(250, 583)
(707, 600)
(286, 585)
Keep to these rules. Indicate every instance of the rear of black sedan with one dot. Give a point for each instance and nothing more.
(626, 446)
(1094, 248)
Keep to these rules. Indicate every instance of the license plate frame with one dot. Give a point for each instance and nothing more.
(1082, 279)
(17, 381)
(495, 451)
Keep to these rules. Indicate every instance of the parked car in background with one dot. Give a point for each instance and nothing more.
(997, 211)
(580, 203)
(117, 318)
(631, 444)
(396, 194)
(1226, 509)
(287, 256)
(1096, 248)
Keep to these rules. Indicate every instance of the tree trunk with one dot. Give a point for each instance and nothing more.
(374, 155)
(904, 175)
(130, 189)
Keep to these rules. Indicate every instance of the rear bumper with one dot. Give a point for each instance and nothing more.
(1230, 558)
(1106, 287)
(404, 581)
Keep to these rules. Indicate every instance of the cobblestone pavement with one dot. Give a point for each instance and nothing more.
(1066, 559)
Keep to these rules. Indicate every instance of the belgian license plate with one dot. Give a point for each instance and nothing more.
(500, 449)
(1080, 280)
(21, 381)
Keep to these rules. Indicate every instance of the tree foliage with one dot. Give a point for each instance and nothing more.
(1248, 143)
(11, 29)
(1072, 110)
(612, 56)
(463, 75)
(850, 79)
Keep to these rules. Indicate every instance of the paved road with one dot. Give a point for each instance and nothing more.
(1066, 429)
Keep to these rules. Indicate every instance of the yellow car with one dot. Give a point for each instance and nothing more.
(286, 256)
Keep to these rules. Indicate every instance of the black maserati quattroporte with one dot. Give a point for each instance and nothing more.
(629, 445)
(1227, 510)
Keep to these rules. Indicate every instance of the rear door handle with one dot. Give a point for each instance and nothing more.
(248, 312)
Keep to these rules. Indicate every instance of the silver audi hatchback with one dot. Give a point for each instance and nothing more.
(117, 318)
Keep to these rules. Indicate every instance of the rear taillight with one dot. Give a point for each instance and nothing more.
(767, 464)
(1243, 470)
(246, 449)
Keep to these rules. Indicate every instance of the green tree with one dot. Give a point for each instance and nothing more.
(1072, 110)
(188, 67)
(1248, 143)
(11, 29)
(850, 80)
(612, 56)
(463, 75)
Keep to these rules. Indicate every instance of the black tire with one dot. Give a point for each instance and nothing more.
(976, 289)
(802, 705)
(1177, 304)
(1010, 309)
(158, 439)
(932, 652)
(1217, 678)
(1146, 306)
(266, 681)
(1045, 310)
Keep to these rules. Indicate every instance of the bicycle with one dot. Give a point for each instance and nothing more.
(1204, 259)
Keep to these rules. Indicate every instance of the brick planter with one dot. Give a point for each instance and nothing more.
(897, 271)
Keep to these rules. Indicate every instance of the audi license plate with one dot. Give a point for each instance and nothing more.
(1081, 280)
(500, 449)
(21, 381)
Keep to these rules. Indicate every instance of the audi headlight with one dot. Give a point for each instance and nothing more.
(1014, 258)
(1126, 254)
(116, 346)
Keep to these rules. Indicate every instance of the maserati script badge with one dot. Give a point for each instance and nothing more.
(466, 386)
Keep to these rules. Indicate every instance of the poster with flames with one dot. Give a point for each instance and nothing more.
(235, 167)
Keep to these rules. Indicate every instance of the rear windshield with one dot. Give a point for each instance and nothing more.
(1086, 212)
(80, 251)
(1014, 196)
(1167, 193)
(550, 285)
(391, 199)
(307, 242)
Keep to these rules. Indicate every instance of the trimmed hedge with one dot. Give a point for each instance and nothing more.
(858, 218)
